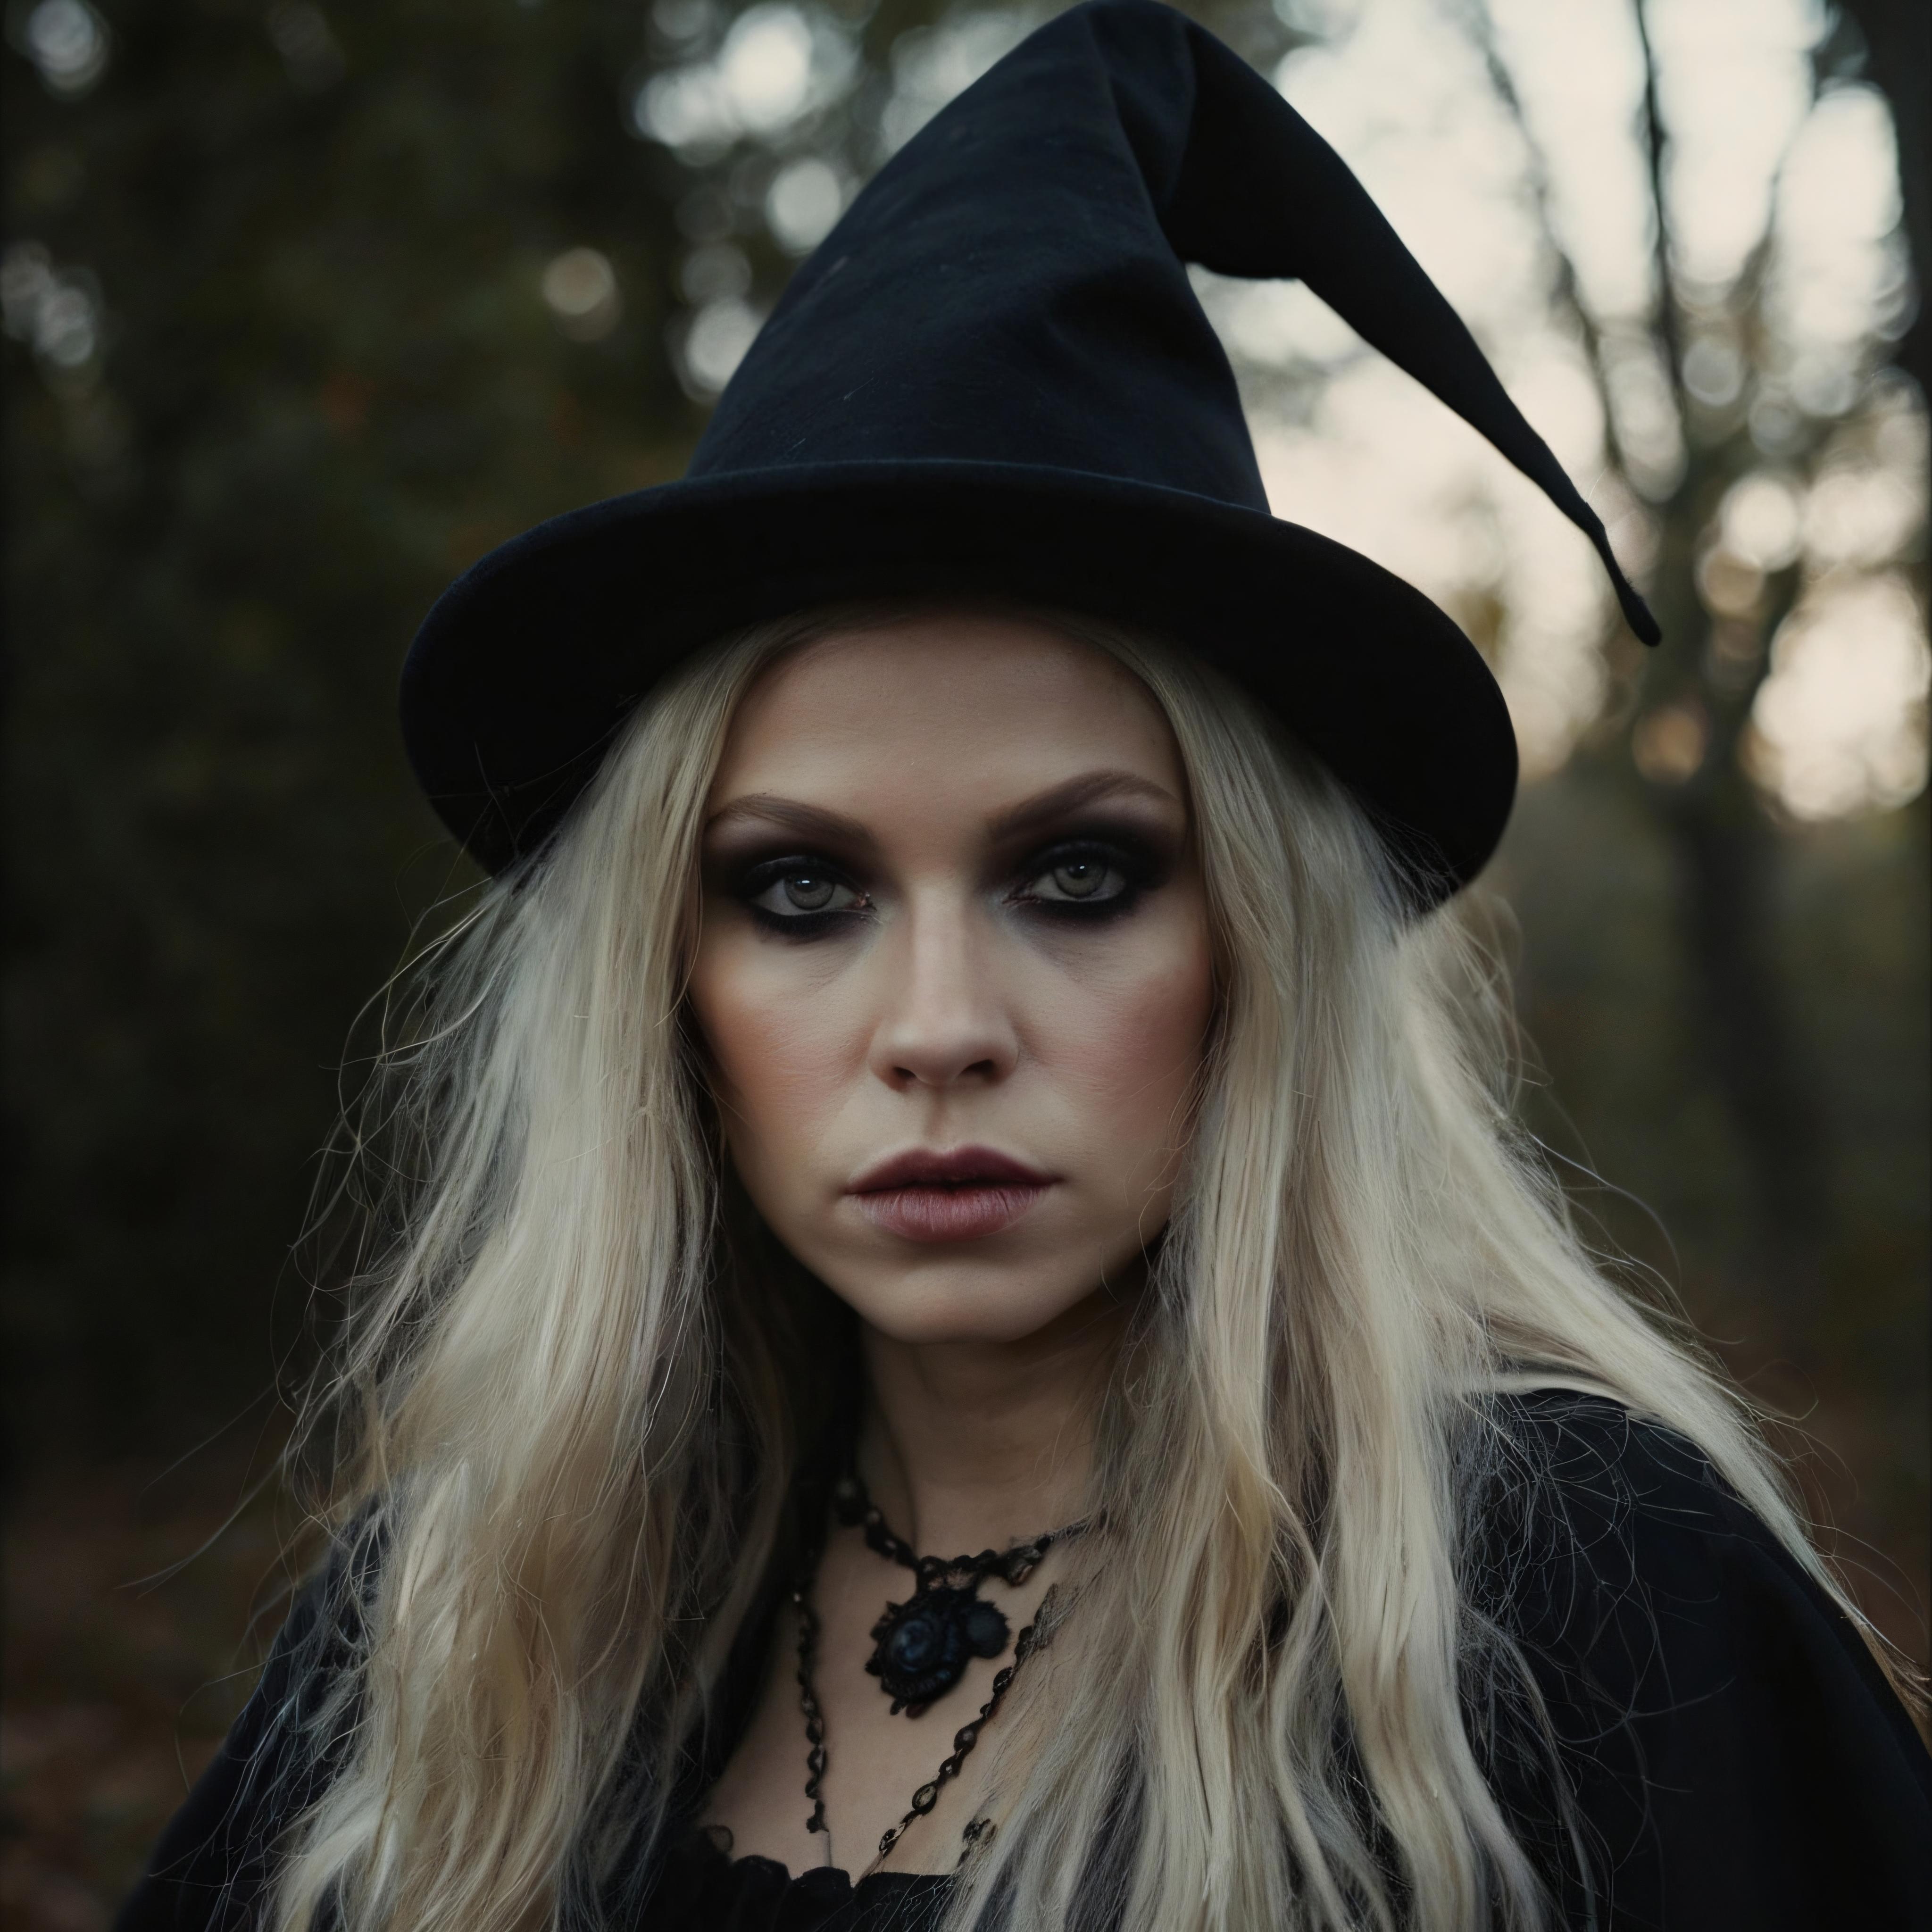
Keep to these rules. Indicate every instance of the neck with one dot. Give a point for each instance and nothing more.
(975, 1445)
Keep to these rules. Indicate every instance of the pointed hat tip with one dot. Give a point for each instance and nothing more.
(1630, 600)
(1637, 613)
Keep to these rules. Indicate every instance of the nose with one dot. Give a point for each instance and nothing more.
(944, 1023)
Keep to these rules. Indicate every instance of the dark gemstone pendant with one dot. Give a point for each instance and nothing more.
(922, 1647)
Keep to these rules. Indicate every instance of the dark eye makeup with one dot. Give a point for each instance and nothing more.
(800, 896)
(1085, 879)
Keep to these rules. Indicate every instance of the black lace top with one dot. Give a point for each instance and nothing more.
(1737, 1762)
(702, 1885)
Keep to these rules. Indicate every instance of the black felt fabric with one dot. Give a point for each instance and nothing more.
(1738, 1763)
(993, 379)
(703, 1887)
(215, 1861)
(1738, 1758)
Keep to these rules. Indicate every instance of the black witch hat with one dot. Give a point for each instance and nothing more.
(993, 379)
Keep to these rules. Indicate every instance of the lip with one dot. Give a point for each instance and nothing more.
(962, 1194)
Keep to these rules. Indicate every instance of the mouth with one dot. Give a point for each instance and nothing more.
(960, 1195)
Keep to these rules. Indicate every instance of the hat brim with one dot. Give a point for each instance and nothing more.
(529, 662)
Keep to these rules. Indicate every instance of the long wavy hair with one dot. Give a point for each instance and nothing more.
(578, 1383)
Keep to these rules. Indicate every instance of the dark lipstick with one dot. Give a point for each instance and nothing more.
(961, 1195)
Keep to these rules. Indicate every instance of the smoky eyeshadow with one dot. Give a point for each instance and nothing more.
(728, 866)
(1147, 853)
(746, 860)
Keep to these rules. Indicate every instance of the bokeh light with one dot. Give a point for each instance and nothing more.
(1839, 726)
(805, 198)
(775, 66)
(714, 341)
(302, 36)
(67, 41)
(932, 65)
(53, 310)
(580, 287)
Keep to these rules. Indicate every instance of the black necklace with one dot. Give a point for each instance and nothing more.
(977, 1830)
(921, 1647)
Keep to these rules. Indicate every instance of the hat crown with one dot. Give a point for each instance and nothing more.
(1004, 291)
(1011, 287)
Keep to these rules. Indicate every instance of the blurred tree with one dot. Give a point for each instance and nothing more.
(281, 364)
(1724, 606)
(1788, 522)
(1680, 735)
(1684, 744)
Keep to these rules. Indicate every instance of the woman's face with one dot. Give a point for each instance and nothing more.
(954, 970)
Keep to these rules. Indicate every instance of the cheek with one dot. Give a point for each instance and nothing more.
(779, 1059)
(1130, 1045)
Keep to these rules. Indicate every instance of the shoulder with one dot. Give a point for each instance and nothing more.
(211, 1867)
(1595, 1525)
(1580, 1503)
(1735, 1756)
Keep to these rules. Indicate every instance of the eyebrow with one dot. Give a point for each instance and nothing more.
(814, 821)
(1085, 790)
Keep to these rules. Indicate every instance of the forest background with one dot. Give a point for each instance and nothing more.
(306, 308)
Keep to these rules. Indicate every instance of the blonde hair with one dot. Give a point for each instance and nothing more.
(574, 1397)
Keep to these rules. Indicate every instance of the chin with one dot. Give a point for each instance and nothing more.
(965, 1302)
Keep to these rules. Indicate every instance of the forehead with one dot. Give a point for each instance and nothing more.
(974, 706)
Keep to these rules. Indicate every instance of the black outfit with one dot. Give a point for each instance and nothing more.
(704, 1889)
(1738, 1761)
(993, 379)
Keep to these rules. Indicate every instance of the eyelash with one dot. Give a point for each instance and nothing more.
(760, 879)
(1136, 868)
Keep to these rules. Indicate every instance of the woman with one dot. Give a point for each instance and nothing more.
(962, 1052)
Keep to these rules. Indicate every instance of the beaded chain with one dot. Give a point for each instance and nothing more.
(979, 1829)
(808, 1698)
(1013, 1566)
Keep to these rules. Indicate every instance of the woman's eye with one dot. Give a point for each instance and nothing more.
(1079, 879)
(801, 891)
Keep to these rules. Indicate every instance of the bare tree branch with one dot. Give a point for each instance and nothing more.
(1726, 857)
(1481, 29)
(1669, 334)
